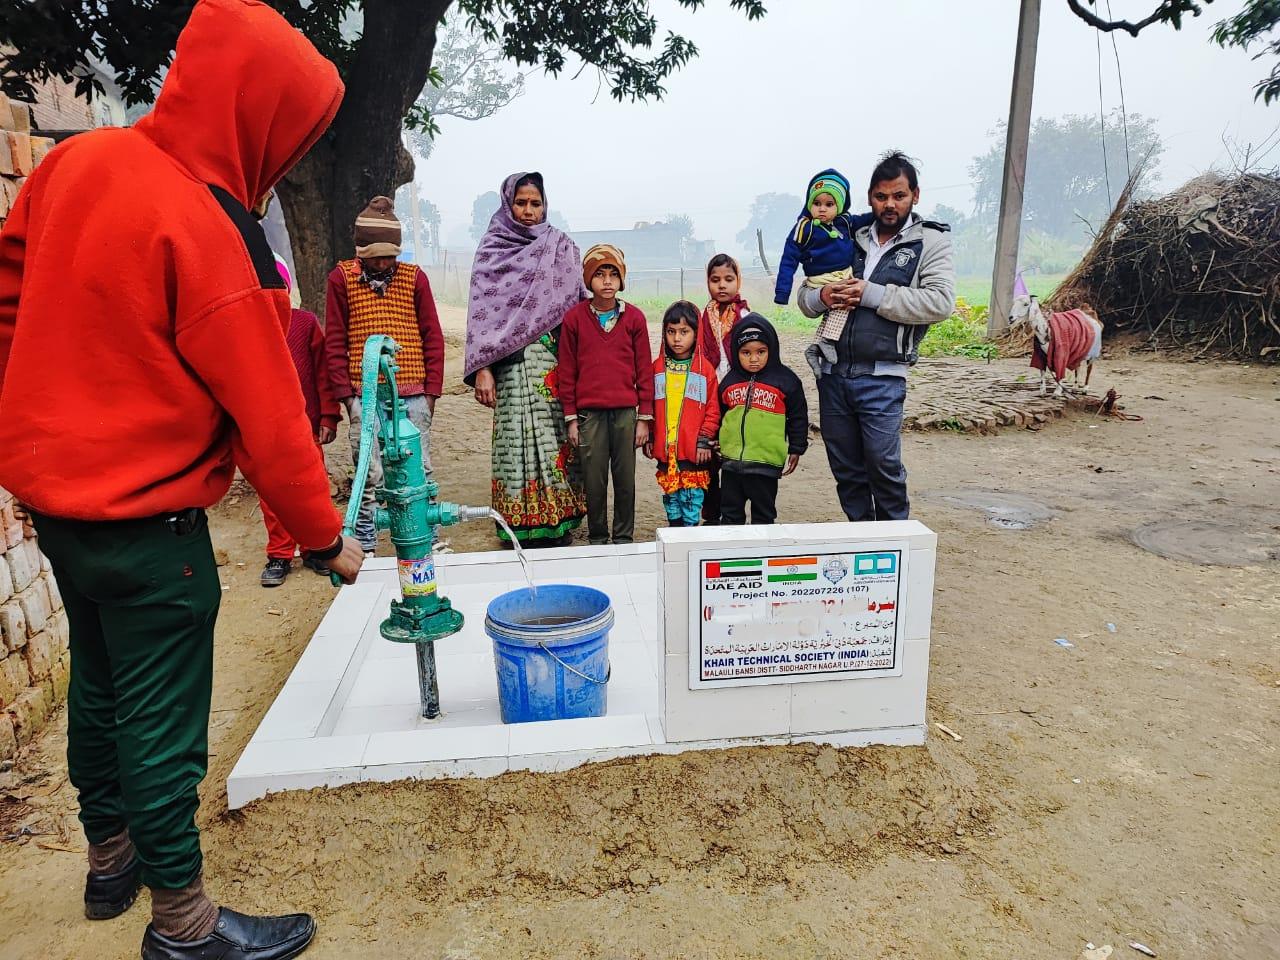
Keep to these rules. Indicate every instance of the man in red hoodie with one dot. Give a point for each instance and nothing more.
(142, 357)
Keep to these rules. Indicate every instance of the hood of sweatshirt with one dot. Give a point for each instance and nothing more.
(754, 327)
(246, 97)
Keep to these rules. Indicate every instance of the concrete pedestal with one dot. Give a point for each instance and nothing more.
(349, 709)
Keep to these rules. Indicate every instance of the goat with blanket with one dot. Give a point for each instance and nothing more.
(1064, 341)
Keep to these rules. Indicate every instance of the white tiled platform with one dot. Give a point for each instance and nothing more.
(349, 710)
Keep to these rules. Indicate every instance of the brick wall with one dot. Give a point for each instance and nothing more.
(57, 107)
(35, 665)
(20, 150)
(34, 661)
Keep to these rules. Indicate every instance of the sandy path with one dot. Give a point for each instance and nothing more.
(1123, 789)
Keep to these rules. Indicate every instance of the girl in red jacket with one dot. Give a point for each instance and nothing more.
(686, 416)
(725, 308)
(305, 340)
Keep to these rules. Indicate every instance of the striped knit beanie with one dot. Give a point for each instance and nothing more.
(377, 231)
(833, 183)
(602, 255)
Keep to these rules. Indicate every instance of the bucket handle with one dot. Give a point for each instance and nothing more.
(608, 671)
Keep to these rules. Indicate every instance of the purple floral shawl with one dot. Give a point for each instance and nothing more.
(523, 281)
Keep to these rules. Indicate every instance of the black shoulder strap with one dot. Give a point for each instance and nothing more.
(255, 241)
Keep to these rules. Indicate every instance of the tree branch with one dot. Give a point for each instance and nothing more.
(1168, 11)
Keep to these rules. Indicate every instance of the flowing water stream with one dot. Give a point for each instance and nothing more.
(520, 555)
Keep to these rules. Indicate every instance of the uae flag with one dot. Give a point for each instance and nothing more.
(793, 569)
(732, 568)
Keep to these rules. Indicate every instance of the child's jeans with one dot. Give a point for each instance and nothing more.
(607, 445)
(739, 489)
(684, 507)
(420, 417)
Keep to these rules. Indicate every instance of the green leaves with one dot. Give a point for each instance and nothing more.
(49, 39)
(422, 121)
(612, 35)
(132, 40)
(1257, 18)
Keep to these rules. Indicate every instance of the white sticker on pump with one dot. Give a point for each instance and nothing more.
(418, 577)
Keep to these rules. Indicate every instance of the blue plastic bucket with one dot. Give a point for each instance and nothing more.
(551, 652)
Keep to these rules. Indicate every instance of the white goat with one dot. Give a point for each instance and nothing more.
(1026, 310)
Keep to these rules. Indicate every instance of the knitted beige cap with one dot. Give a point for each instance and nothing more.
(377, 231)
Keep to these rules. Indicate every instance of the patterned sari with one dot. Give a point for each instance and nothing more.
(537, 482)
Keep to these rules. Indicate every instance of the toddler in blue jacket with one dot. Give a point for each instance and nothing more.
(822, 244)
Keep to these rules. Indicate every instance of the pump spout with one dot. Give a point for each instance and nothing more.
(476, 513)
(451, 513)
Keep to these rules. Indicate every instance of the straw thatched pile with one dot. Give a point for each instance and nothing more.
(1198, 269)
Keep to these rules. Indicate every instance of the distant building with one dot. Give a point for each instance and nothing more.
(649, 246)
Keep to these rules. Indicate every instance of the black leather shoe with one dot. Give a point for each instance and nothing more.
(237, 937)
(275, 571)
(108, 895)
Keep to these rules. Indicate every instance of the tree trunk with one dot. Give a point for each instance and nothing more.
(362, 156)
(305, 195)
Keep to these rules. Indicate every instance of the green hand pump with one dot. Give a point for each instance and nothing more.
(408, 507)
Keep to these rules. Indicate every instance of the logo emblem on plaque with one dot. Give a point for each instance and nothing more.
(835, 569)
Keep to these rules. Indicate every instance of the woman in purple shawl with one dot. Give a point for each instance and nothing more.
(526, 276)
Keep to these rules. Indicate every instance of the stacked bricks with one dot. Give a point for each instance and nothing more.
(35, 663)
(20, 151)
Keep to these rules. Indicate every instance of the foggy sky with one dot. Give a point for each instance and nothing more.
(820, 83)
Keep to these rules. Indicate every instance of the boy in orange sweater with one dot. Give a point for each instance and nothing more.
(376, 293)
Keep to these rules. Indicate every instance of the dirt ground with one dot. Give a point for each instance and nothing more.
(1124, 789)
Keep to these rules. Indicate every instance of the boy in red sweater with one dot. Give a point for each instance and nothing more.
(606, 388)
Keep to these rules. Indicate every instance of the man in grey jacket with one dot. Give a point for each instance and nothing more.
(904, 280)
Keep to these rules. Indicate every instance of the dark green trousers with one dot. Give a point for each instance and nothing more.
(141, 601)
(607, 446)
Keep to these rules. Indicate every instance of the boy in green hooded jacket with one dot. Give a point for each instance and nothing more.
(764, 426)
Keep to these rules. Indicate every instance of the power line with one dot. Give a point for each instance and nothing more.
(1124, 113)
(1102, 119)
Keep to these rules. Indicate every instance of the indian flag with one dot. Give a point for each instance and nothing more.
(733, 568)
(793, 569)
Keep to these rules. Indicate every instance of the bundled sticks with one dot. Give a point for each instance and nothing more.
(1197, 270)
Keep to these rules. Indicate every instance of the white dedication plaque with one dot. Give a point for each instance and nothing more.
(815, 612)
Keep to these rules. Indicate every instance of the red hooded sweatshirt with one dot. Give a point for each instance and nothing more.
(142, 318)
